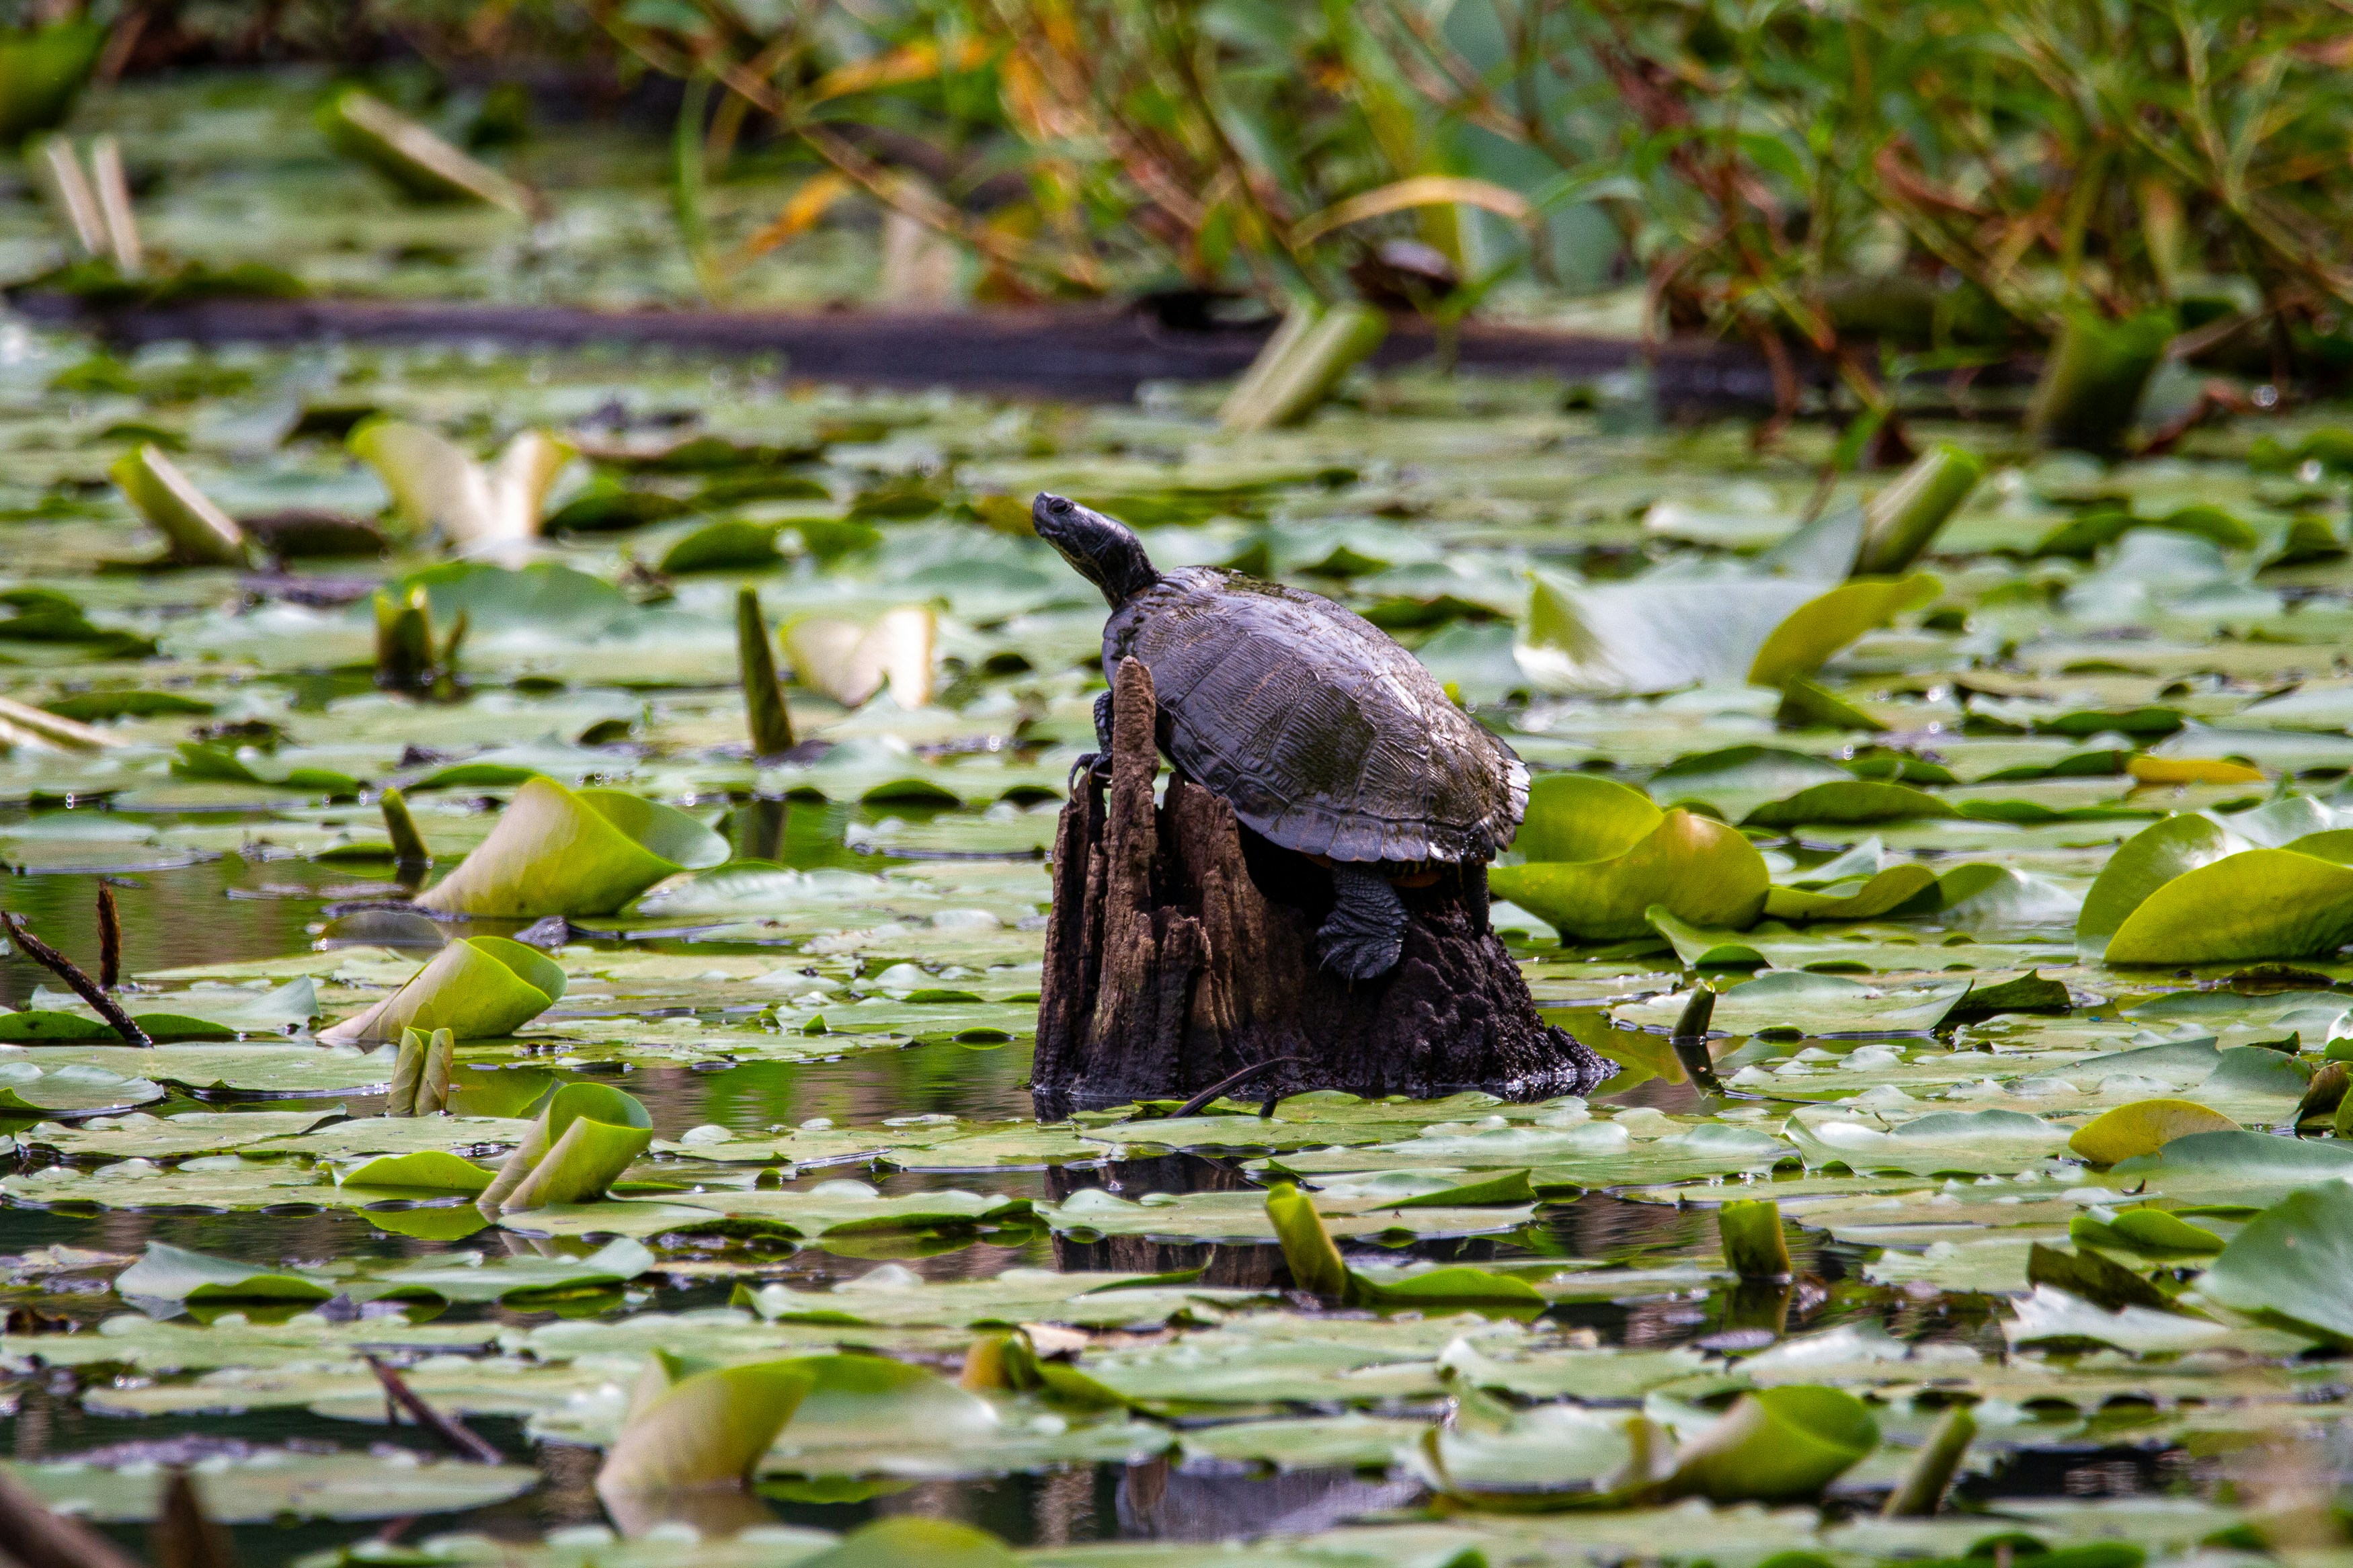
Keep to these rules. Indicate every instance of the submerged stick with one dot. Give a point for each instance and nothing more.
(448, 1428)
(66, 970)
(110, 939)
(37, 1538)
(183, 1535)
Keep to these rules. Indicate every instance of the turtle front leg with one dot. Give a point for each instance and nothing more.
(1100, 758)
(1361, 938)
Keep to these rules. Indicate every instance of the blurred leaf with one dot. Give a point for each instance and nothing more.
(1418, 191)
(850, 662)
(424, 168)
(199, 533)
(1777, 1445)
(907, 1540)
(437, 485)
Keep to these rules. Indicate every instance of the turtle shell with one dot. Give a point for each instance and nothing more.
(1315, 725)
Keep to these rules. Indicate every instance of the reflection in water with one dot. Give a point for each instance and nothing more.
(237, 909)
(1217, 1500)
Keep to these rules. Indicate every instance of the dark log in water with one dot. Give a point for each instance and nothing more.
(1074, 351)
(1182, 949)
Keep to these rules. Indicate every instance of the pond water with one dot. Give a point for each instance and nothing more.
(1995, 861)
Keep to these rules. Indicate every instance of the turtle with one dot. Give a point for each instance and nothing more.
(1324, 735)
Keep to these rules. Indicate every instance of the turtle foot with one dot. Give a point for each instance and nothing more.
(1364, 934)
(1359, 957)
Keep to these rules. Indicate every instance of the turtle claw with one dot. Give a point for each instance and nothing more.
(1096, 762)
(1355, 958)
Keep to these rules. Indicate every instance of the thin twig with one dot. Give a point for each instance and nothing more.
(66, 970)
(110, 939)
(448, 1428)
(1230, 1081)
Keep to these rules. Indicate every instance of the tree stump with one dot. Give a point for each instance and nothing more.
(1181, 949)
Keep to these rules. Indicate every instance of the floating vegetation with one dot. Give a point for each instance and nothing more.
(575, 828)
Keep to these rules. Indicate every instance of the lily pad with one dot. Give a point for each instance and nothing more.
(245, 1484)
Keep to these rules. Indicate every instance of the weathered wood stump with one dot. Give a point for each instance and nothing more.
(1181, 949)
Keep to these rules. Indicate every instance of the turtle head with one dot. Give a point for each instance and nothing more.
(1102, 549)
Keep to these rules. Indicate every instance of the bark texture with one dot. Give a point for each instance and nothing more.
(1181, 948)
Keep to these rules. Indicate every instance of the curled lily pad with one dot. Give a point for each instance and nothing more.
(2143, 1128)
(1600, 854)
(1315, 1265)
(478, 988)
(702, 1429)
(1897, 892)
(1491, 1454)
(420, 1076)
(850, 661)
(199, 532)
(426, 1170)
(438, 485)
(557, 851)
(1777, 1445)
(588, 1134)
